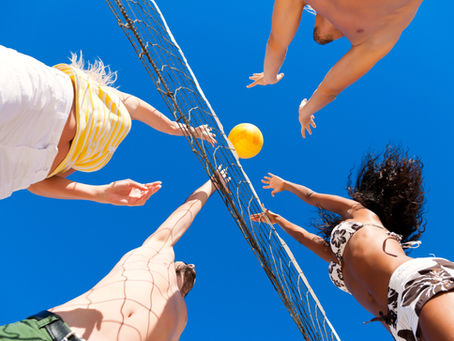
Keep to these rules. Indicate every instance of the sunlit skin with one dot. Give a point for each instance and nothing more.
(142, 298)
(373, 28)
(369, 259)
(123, 192)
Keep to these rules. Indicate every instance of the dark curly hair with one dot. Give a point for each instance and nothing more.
(391, 187)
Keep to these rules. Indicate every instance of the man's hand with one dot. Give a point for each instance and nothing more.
(274, 182)
(223, 177)
(260, 79)
(306, 120)
(128, 192)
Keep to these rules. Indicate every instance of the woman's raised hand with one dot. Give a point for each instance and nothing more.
(260, 79)
(274, 182)
(261, 217)
(128, 192)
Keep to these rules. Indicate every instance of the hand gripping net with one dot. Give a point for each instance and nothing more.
(146, 29)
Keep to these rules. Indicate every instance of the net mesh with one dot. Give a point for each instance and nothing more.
(147, 31)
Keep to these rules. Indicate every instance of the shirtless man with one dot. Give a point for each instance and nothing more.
(373, 27)
(142, 298)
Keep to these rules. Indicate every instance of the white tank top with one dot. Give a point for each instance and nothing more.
(35, 101)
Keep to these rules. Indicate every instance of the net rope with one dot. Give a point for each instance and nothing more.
(147, 31)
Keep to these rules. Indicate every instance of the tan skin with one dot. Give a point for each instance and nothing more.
(369, 259)
(123, 192)
(142, 298)
(373, 28)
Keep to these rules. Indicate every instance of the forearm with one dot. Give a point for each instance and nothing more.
(62, 188)
(313, 242)
(146, 113)
(351, 67)
(285, 22)
(179, 221)
(274, 58)
(304, 193)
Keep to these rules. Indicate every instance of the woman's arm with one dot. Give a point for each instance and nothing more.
(346, 208)
(146, 113)
(123, 192)
(313, 242)
(285, 22)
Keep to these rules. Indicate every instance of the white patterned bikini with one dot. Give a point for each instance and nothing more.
(411, 285)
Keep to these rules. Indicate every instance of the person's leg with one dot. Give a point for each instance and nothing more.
(324, 31)
(436, 320)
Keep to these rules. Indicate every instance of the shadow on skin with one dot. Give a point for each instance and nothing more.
(77, 315)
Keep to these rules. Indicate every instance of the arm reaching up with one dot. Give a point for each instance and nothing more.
(313, 242)
(146, 113)
(285, 22)
(346, 208)
(179, 221)
(352, 66)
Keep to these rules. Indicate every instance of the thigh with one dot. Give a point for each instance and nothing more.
(436, 320)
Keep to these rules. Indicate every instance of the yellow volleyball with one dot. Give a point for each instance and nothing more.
(247, 140)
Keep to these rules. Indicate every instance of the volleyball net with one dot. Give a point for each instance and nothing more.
(164, 61)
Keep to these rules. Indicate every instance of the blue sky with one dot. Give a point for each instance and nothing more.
(54, 250)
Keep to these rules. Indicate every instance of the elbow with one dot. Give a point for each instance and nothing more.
(133, 105)
(276, 46)
(311, 197)
(329, 93)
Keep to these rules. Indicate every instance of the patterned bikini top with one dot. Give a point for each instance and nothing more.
(340, 236)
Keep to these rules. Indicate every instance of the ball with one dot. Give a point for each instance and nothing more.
(247, 140)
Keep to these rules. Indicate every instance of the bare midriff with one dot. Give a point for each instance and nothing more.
(370, 258)
(68, 134)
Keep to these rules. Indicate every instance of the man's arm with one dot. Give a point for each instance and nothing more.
(352, 66)
(286, 19)
(179, 221)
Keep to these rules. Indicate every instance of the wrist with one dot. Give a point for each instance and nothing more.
(285, 185)
(99, 193)
(269, 78)
(177, 128)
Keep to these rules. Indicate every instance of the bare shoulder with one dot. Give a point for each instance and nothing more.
(363, 215)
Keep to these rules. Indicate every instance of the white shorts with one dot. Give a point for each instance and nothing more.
(410, 287)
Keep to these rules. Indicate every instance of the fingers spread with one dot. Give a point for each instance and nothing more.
(252, 84)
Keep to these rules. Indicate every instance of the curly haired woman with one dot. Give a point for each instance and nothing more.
(364, 242)
(56, 120)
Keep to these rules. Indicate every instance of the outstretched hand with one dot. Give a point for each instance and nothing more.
(259, 79)
(306, 120)
(129, 193)
(204, 132)
(262, 217)
(223, 178)
(274, 182)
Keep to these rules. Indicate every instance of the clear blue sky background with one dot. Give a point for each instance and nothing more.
(54, 250)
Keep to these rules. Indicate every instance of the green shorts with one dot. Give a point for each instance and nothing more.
(29, 329)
